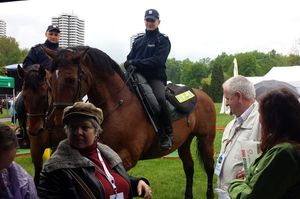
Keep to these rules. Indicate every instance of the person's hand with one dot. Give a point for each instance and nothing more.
(128, 66)
(240, 174)
(144, 188)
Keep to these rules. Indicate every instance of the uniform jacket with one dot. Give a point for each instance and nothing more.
(275, 174)
(149, 54)
(37, 55)
(57, 182)
(249, 130)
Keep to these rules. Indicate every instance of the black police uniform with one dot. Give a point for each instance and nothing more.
(37, 55)
(149, 54)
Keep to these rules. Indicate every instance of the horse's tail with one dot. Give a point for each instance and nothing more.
(199, 150)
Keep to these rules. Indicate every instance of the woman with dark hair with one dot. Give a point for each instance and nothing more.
(276, 173)
(15, 182)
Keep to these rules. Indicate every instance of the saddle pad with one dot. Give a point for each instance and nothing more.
(182, 97)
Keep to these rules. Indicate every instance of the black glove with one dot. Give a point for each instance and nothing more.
(129, 67)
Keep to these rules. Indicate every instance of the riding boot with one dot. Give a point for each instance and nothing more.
(166, 137)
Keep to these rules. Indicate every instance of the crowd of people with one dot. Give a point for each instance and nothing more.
(83, 167)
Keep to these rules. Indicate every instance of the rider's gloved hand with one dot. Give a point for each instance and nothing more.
(128, 66)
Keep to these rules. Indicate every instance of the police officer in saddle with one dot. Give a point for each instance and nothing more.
(36, 55)
(148, 57)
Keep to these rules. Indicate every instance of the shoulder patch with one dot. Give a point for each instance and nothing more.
(137, 36)
(164, 35)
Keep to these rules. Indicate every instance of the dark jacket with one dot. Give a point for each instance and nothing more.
(149, 54)
(57, 181)
(37, 55)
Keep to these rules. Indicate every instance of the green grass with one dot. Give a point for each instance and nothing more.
(5, 113)
(166, 175)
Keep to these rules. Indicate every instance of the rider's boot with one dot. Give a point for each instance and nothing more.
(166, 137)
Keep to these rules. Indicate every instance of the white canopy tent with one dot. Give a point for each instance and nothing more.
(289, 74)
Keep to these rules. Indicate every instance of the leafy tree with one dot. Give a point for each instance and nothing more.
(173, 70)
(247, 64)
(193, 73)
(10, 52)
(293, 60)
(217, 79)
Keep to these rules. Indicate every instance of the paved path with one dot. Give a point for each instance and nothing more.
(5, 120)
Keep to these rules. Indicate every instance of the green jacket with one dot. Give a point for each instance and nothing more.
(275, 174)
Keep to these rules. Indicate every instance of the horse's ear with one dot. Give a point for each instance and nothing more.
(49, 52)
(20, 72)
(42, 72)
(81, 55)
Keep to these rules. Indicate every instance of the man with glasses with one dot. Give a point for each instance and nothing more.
(148, 57)
(37, 55)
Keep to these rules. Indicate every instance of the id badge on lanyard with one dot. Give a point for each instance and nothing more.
(219, 164)
(117, 196)
(111, 180)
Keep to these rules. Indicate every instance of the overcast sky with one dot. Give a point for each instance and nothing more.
(196, 28)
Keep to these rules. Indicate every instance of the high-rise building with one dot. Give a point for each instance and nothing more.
(71, 28)
(2, 28)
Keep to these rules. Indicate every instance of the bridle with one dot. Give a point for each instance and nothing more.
(77, 97)
(40, 114)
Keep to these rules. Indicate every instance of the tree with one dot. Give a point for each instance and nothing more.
(217, 79)
(10, 52)
(173, 70)
(193, 73)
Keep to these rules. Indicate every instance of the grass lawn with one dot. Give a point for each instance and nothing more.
(166, 175)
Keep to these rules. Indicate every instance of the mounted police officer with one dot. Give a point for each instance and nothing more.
(37, 55)
(148, 57)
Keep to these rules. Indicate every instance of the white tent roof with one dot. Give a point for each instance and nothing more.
(289, 74)
(284, 73)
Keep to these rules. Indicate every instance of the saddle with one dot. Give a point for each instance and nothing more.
(180, 99)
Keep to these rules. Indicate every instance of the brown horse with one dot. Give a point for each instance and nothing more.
(36, 97)
(127, 129)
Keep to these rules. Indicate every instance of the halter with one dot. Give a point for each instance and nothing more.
(43, 114)
(62, 105)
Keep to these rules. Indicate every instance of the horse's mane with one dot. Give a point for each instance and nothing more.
(98, 58)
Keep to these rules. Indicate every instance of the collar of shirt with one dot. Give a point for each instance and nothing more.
(244, 116)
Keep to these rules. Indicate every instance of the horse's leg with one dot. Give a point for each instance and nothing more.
(205, 147)
(188, 166)
(37, 150)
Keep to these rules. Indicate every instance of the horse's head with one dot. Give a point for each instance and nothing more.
(67, 80)
(35, 94)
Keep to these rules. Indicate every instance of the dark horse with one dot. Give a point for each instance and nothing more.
(36, 97)
(81, 71)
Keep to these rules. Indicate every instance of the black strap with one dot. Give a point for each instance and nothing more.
(86, 191)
